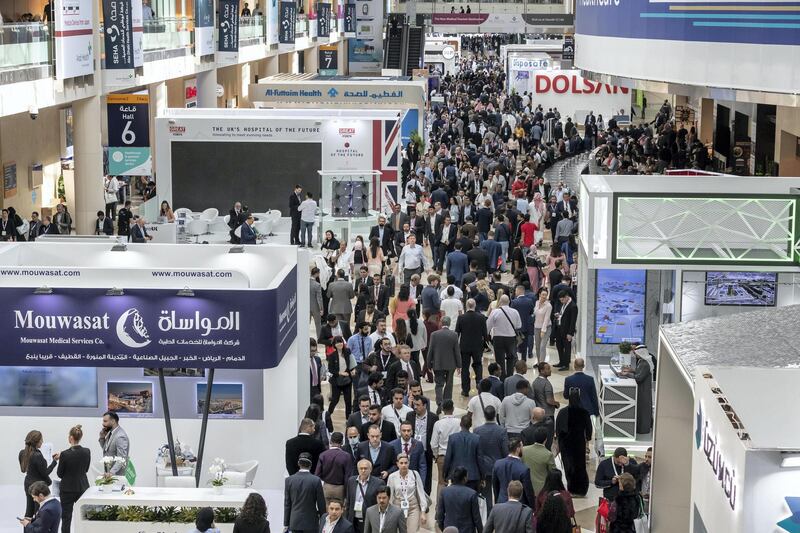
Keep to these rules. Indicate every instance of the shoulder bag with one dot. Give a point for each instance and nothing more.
(519, 334)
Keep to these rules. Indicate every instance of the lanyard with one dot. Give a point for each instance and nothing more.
(384, 361)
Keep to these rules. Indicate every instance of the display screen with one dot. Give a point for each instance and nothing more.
(619, 306)
(227, 400)
(741, 288)
(28, 386)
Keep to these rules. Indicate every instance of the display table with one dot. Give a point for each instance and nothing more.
(154, 497)
(617, 405)
(163, 233)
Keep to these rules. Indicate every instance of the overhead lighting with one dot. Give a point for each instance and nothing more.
(791, 460)
(115, 292)
(119, 247)
(43, 290)
(186, 291)
(236, 249)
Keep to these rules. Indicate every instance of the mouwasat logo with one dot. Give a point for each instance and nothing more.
(791, 523)
(131, 330)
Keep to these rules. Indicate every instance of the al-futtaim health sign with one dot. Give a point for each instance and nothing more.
(149, 327)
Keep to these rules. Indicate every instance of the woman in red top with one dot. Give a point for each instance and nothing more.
(519, 187)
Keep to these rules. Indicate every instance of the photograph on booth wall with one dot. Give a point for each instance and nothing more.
(132, 398)
(29, 386)
(227, 400)
(177, 372)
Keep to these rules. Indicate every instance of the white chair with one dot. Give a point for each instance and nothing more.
(272, 219)
(197, 227)
(248, 468)
(183, 211)
(183, 482)
(210, 214)
(235, 479)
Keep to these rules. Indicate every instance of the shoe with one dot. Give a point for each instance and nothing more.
(465, 394)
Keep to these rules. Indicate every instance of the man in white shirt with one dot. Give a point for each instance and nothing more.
(503, 324)
(396, 412)
(457, 293)
(412, 259)
(111, 187)
(381, 333)
(308, 214)
(451, 306)
(480, 402)
(329, 521)
(447, 425)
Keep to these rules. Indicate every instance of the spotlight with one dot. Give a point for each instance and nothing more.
(115, 292)
(119, 247)
(43, 290)
(186, 291)
(236, 249)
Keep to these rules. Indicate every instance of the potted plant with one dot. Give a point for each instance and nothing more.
(106, 483)
(217, 471)
(625, 349)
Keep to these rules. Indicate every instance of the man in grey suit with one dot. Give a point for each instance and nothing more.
(340, 293)
(384, 517)
(444, 356)
(362, 493)
(511, 516)
(114, 442)
(316, 306)
(303, 499)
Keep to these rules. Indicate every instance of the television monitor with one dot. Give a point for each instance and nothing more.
(755, 289)
(619, 306)
(35, 386)
(227, 400)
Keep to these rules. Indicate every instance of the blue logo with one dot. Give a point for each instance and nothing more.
(332, 92)
(792, 523)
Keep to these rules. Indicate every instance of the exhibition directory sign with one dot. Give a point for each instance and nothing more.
(149, 327)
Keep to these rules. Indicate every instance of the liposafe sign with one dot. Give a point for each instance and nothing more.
(149, 328)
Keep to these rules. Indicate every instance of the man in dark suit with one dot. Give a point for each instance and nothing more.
(303, 498)
(397, 219)
(511, 515)
(378, 452)
(48, 516)
(416, 224)
(139, 232)
(403, 362)
(579, 380)
(467, 210)
(444, 356)
(493, 446)
(73, 464)
(370, 314)
(457, 264)
(333, 328)
(509, 469)
(103, 225)
(566, 322)
(35, 227)
(458, 504)
(609, 470)
(480, 258)
(333, 521)
(384, 234)
(236, 217)
(524, 305)
(361, 493)
(444, 241)
(496, 377)
(386, 429)
(539, 419)
(248, 234)
(422, 420)
(379, 294)
(303, 443)
(360, 416)
(463, 450)
(314, 369)
(295, 199)
(472, 336)
(566, 208)
(414, 449)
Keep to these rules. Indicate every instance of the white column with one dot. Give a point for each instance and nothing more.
(207, 88)
(88, 153)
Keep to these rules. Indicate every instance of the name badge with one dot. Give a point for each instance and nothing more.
(418, 437)
(4, 234)
(358, 507)
(383, 373)
(404, 505)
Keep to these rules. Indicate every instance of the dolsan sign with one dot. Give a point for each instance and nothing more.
(563, 83)
(723, 469)
(149, 327)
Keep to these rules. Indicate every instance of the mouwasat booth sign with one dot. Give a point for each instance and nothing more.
(571, 93)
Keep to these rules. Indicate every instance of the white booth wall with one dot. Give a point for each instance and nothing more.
(285, 387)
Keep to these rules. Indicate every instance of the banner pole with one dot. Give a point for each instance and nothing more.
(167, 421)
(203, 427)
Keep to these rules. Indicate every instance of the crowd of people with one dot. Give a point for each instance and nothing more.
(479, 256)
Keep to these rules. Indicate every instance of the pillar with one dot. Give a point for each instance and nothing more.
(706, 129)
(88, 153)
(341, 51)
(158, 104)
(312, 59)
(207, 88)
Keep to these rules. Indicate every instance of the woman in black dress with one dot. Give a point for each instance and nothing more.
(574, 430)
(35, 468)
(73, 464)
(253, 516)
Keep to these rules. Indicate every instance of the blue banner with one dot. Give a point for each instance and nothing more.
(118, 34)
(350, 18)
(288, 22)
(720, 22)
(228, 26)
(323, 20)
(149, 327)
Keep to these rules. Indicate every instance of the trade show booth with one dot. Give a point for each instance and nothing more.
(723, 460)
(211, 158)
(188, 344)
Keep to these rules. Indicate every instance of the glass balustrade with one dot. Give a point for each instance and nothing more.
(251, 28)
(25, 44)
(167, 33)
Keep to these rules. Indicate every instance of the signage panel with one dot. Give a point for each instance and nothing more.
(328, 60)
(288, 24)
(129, 134)
(118, 39)
(73, 38)
(204, 27)
(228, 32)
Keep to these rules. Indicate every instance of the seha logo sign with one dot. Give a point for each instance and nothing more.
(563, 83)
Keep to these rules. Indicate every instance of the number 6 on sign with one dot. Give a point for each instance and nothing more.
(128, 136)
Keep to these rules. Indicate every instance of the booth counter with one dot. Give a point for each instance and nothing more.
(617, 406)
(166, 233)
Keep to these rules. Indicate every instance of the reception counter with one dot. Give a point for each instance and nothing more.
(163, 233)
(617, 405)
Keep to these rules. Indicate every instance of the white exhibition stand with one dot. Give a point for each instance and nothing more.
(163, 233)
(617, 405)
(154, 497)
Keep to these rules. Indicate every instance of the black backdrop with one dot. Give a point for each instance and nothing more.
(261, 175)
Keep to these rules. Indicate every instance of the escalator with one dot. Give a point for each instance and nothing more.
(415, 50)
(393, 49)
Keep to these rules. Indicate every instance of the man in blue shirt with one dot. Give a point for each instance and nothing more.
(431, 301)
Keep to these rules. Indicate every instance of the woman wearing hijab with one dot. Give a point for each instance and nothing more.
(643, 374)
(574, 430)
